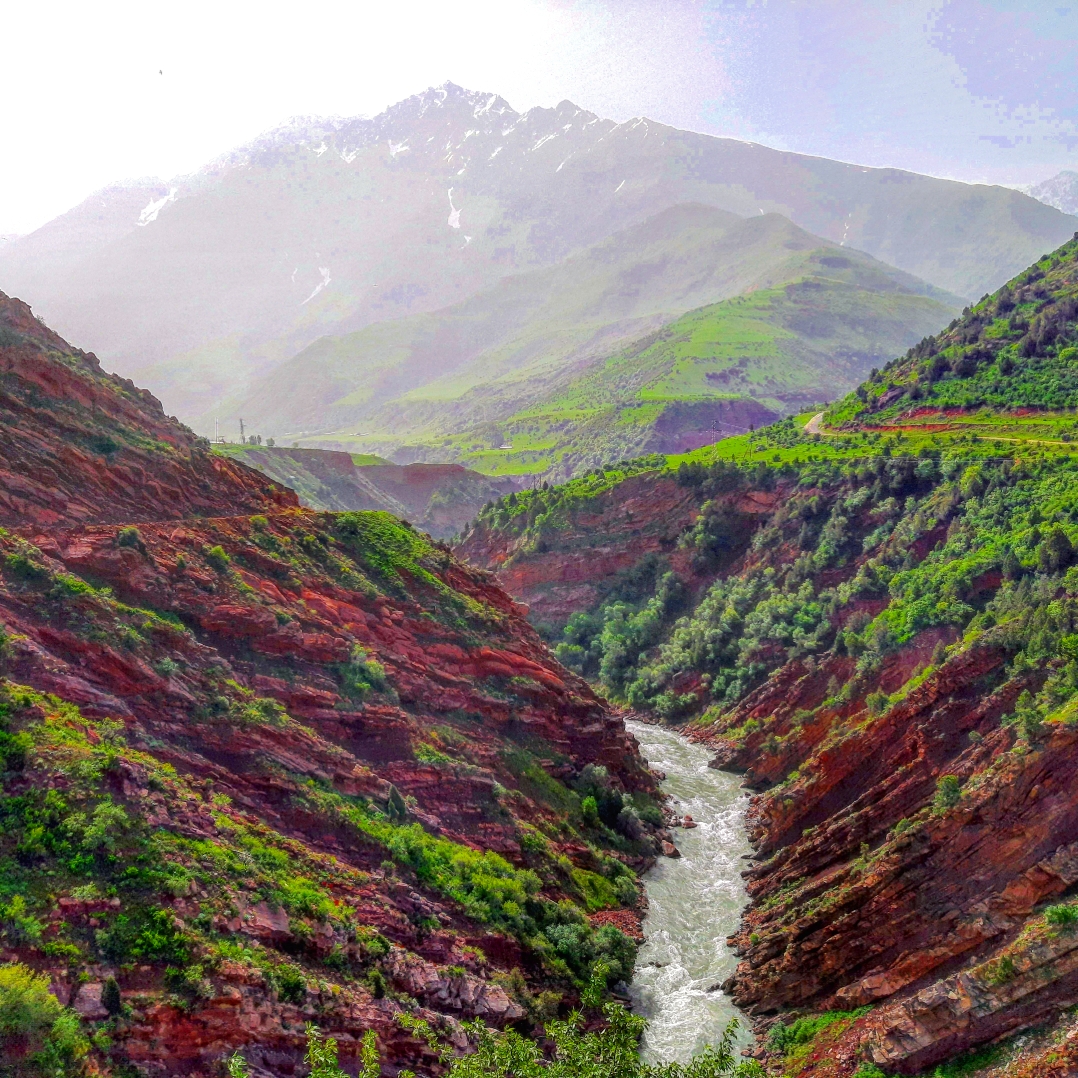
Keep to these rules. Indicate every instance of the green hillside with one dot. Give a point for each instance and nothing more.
(717, 370)
(544, 362)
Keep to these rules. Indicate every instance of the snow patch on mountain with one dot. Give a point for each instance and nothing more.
(454, 213)
(149, 214)
(324, 270)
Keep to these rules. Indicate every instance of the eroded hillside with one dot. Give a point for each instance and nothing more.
(438, 498)
(263, 765)
(877, 622)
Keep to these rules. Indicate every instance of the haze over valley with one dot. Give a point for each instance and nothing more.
(452, 261)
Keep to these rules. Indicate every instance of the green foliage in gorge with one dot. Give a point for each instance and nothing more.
(1014, 349)
(42, 1037)
(574, 1050)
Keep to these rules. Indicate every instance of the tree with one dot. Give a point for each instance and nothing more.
(1056, 551)
(32, 1018)
(110, 996)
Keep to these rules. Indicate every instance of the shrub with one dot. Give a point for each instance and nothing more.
(361, 676)
(147, 934)
(30, 1015)
(783, 1038)
(21, 928)
(14, 749)
(877, 702)
(236, 1066)
(110, 996)
(376, 982)
(291, 983)
(626, 890)
(589, 809)
(217, 558)
(948, 794)
(1063, 914)
(22, 567)
(321, 1055)
(131, 537)
(396, 807)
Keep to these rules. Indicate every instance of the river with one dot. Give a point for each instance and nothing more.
(694, 903)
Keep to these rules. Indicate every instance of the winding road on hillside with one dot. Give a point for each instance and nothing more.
(813, 425)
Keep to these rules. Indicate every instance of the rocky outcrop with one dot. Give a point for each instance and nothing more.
(80, 446)
(334, 730)
(437, 498)
(572, 568)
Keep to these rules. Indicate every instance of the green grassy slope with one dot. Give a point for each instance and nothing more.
(898, 574)
(716, 370)
(514, 344)
(1010, 358)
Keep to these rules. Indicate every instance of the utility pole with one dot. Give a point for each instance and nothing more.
(243, 437)
(216, 432)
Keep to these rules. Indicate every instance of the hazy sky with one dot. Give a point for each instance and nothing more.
(973, 89)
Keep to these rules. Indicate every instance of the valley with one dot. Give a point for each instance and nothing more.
(872, 623)
(635, 636)
(440, 499)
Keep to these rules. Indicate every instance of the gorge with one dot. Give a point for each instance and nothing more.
(873, 622)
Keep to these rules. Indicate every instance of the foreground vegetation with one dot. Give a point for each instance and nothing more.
(607, 1048)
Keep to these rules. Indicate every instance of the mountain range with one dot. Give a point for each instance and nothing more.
(534, 333)
(204, 285)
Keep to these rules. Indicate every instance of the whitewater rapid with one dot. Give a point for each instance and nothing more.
(694, 903)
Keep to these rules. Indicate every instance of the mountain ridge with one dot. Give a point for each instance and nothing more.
(247, 265)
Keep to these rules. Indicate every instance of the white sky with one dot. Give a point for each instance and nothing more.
(85, 104)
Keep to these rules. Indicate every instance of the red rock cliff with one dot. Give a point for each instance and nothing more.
(307, 729)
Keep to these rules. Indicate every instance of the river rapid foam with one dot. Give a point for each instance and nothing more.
(694, 903)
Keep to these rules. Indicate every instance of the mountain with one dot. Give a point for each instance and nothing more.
(84, 232)
(418, 379)
(327, 226)
(1061, 192)
(260, 763)
(719, 370)
(437, 498)
(871, 614)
